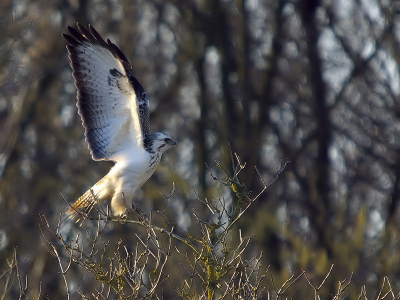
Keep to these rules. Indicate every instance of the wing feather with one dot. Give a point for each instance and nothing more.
(113, 105)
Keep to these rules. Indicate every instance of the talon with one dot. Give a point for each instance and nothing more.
(124, 215)
(140, 214)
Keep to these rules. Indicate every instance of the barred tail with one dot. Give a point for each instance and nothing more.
(87, 200)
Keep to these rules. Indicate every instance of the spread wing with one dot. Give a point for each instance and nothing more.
(113, 105)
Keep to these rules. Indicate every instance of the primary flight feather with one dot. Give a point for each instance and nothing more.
(114, 109)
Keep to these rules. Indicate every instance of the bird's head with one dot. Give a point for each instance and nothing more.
(158, 142)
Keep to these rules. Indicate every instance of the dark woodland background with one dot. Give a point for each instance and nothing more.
(312, 82)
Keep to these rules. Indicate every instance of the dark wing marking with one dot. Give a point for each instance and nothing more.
(143, 103)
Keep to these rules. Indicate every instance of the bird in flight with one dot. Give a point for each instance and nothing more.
(114, 109)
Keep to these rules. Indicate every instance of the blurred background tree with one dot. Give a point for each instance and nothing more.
(312, 82)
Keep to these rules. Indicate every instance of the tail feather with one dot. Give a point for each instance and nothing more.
(87, 200)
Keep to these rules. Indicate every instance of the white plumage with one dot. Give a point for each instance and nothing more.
(114, 109)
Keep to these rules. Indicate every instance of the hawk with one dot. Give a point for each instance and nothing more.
(114, 109)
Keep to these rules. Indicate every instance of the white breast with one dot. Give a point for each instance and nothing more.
(130, 173)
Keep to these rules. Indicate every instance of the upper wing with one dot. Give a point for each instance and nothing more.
(113, 105)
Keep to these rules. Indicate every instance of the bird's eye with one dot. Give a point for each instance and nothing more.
(166, 140)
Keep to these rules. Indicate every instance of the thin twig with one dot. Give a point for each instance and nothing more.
(61, 268)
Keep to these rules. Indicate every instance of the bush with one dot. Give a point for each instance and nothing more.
(213, 263)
